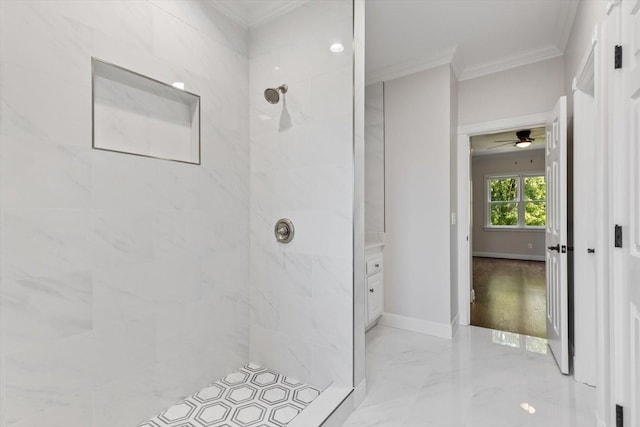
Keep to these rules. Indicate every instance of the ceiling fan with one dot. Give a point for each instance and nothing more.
(524, 140)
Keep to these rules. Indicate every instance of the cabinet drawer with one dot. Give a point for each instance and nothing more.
(374, 266)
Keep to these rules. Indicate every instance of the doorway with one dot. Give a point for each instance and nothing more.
(510, 295)
(508, 234)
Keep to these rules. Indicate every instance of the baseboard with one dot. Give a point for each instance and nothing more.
(411, 324)
(455, 325)
(359, 393)
(331, 408)
(509, 256)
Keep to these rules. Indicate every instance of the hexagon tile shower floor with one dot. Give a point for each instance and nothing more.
(246, 397)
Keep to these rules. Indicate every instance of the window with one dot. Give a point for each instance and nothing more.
(516, 201)
(535, 206)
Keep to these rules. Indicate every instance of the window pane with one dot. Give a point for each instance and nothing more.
(535, 188)
(535, 214)
(504, 189)
(504, 214)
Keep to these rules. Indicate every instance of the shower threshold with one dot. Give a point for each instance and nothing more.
(250, 396)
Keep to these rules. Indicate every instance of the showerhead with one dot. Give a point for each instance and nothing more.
(272, 95)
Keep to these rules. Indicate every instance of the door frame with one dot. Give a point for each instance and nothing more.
(465, 208)
(622, 202)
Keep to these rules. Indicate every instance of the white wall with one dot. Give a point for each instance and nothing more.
(417, 251)
(590, 13)
(521, 91)
(302, 168)
(374, 158)
(499, 242)
(125, 279)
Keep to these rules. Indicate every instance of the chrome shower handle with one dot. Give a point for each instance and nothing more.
(284, 230)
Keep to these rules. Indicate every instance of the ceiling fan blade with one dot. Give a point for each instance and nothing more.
(509, 140)
(501, 145)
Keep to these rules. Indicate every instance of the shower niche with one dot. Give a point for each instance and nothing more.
(135, 114)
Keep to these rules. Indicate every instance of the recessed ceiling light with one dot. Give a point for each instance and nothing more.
(179, 85)
(336, 48)
(276, 68)
(528, 408)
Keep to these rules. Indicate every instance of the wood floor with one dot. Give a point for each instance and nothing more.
(510, 296)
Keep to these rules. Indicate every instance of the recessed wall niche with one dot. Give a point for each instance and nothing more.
(135, 114)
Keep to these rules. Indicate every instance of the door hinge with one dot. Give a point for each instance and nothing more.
(619, 416)
(617, 57)
(618, 236)
(564, 249)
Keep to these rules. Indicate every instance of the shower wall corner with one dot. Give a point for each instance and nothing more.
(302, 168)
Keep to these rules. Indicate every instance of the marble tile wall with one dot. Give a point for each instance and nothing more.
(302, 168)
(374, 158)
(124, 280)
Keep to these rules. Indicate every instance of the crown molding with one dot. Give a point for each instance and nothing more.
(412, 66)
(503, 125)
(449, 56)
(457, 64)
(236, 15)
(229, 11)
(278, 11)
(566, 16)
(507, 63)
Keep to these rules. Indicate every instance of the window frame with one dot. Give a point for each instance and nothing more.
(520, 200)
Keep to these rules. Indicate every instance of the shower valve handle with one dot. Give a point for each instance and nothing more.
(284, 230)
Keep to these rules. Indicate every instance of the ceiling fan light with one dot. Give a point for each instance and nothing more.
(523, 144)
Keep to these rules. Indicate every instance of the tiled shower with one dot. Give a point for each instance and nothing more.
(128, 283)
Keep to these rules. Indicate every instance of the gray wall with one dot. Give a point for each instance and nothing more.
(530, 89)
(504, 242)
(453, 191)
(418, 118)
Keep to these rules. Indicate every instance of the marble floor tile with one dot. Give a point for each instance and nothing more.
(481, 378)
(251, 396)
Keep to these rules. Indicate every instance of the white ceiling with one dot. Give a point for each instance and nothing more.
(253, 12)
(486, 145)
(477, 36)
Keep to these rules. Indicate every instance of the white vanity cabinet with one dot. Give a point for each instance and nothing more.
(374, 284)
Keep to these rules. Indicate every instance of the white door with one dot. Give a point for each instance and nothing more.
(585, 224)
(631, 72)
(556, 235)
